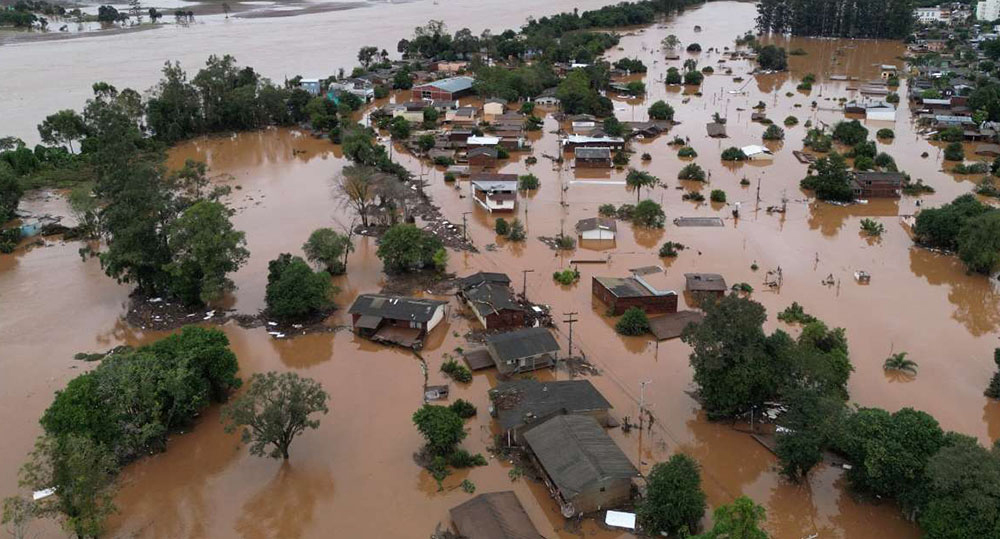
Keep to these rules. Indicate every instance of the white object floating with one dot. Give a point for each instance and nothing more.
(272, 323)
(42, 494)
(156, 300)
(620, 519)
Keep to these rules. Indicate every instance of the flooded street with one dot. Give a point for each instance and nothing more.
(355, 476)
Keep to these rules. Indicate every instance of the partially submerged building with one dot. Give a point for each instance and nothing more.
(638, 290)
(702, 285)
(493, 515)
(448, 89)
(572, 142)
(597, 229)
(398, 320)
(523, 350)
(877, 185)
(491, 300)
(582, 466)
(522, 404)
(495, 192)
(716, 130)
(756, 152)
(592, 157)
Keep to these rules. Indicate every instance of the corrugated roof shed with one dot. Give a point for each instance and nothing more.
(395, 307)
(522, 343)
(517, 402)
(493, 515)
(576, 453)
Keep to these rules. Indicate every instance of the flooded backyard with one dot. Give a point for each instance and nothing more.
(355, 476)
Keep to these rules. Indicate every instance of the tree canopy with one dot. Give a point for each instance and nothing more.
(674, 502)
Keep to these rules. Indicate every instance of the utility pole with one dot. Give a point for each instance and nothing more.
(524, 283)
(465, 226)
(642, 399)
(570, 320)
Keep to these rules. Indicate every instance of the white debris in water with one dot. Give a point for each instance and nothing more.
(42, 494)
(156, 300)
(208, 315)
(272, 323)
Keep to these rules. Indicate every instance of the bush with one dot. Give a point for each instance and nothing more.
(951, 134)
(647, 157)
(892, 98)
(673, 76)
(456, 371)
(733, 153)
(648, 214)
(773, 132)
(795, 314)
(717, 195)
(620, 158)
(567, 276)
(693, 78)
(461, 458)
(625, 212)
(691, 171)
(502, 227)
(294, 291)
(694, 47)
(872, 227)
(791, 121)
(804, 86)
(9, 238)
(885, 133)
(864, 163)
(661, 111)
(502, 153)
(528, 182)
(975, 168)
(687, 151)
(606, 210)
(517, 232)
(954, 152)
(817, 140)
(669, 249)
(404, 248)
(444, 161)
(633, 322)
(463, 408)
(449, 177)
(850, 133)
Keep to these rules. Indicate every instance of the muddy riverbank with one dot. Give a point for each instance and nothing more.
(355, 474)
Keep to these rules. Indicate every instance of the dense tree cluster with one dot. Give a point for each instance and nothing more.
(829, 179)
(294, 291)
(404, 247)
(837, 18)
(966, 226)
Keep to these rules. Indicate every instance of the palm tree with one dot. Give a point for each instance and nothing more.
(898, 362)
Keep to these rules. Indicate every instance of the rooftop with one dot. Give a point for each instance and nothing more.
(493, 515)
(592, 153)
(484, 277)
(576, 454)
(705, 282)
(523, 401)
(596, 223)
(395, 307)
(488, 298)
(868, 178)
(495, 185)
(451, 84)
(522, 343)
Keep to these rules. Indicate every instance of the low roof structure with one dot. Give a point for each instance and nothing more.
(596, 223)
(705, 282)
(576, 454)
(522, 343)
(490, 298)
(484, 151)
(452, 84)
(484, 277)
(716, 129)
(494, 185)
(520, 401)
(698, 221)
(670, 326)
(755, 150)
(493, 515)
(584, 152)
(879, 178)
(372, 307)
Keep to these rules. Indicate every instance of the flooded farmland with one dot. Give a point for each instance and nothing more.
(355, 476)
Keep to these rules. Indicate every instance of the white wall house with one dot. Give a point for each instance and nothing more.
(757, 153)
(932, 14)
(495, 195)
(988, 10)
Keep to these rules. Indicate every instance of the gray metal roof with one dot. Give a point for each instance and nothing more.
(489, 298)
(522, 343)
(452, 84)
(595, 223)
(626, 287)
(524, 401)
(576, 454)
(493, 515)
(395, 307)
(868, 178)
(705, 282)
(484, 277)
(716, 129)
(592, 153)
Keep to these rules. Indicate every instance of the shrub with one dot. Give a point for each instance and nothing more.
(773, 132)
(974, 168)
(687, 151)
(626, 211)
(892, 98)
(463, 408)
(693, 196)
(620, 158)
(694, 47)
(864, 163)
(449, 177)
(693, 78)
(885, 133)
(733, 153)
(567, 276)
(872, 227)
(799, 51)
(606, 210)
(691, 172)
(717, 195)
(456, 371)
(648, 214)
(633, 322)
(669, 249)
(527, 182)
(954, 152)
(677, 141)
(502, 227)
(517, 232)
(444, 161)
(804, 86)
(461, 458)
(673, 76)
(817, 140)
(708, 70)
(790, 121)
(794, 313)
(647, 157)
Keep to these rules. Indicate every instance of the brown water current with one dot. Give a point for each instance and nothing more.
(355, 475)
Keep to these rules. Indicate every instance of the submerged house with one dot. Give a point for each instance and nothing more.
(495, 192)
(639, 290)
(523, 350)
(522, 404)
(877, 185)
(398, 320)
(597, 228)
(716, 130)
(493, 515)
(592, 157)
(572, 142)
(755, 152)
(491, 300)
(582, 466)
(358, 87)
(702, 285)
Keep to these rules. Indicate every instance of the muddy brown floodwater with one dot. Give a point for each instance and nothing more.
(355, 475)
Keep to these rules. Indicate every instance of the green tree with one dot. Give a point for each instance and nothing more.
(294, 291)
(404, 247)
(940, 227)
(366, 55)
(441, 427)
(979, 243)
(329, 249)
(849, 133)
(18, 512)
(174, 110)
(638, 179)
(772, 58)
(399, 128)
(954, 152)
(660, 110)
(83, 474)
(674, 502)
(673, 76)
(633, 322)
(517, 232)
(425, 142)
(739, 520)
(831, 181)
(963, 483)
(773, 132)
(431, 116)
(204, 248)
(62, 127)
(10, 193)
(898, 362)
(809, 426)
(274, 410)
(648, 214)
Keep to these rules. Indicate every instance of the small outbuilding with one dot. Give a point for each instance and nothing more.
(523, 350)
(623, 293)
(755, 152)
(597, 229)
(494, 106)
(493, 515)
(716, 130)
(582, 466)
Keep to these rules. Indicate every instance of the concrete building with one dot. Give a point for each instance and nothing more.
(988, 10)
(313, 86)
(359, 87)
(877, 185)
(638, 290)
